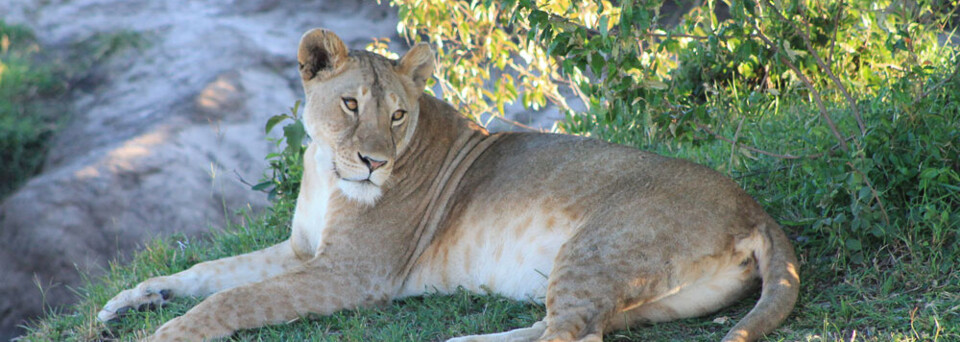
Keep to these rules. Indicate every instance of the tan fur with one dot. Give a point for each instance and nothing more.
(605, 235)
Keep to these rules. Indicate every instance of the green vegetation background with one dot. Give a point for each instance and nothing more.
(35, 90)
(25, 121)
(842, 118)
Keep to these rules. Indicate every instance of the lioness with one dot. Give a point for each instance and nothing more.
(402, 196)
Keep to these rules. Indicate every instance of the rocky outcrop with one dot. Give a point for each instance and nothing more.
(158, 138)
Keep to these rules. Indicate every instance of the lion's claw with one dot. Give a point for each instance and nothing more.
(141, 297)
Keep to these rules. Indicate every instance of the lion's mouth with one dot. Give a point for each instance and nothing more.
(359, 180)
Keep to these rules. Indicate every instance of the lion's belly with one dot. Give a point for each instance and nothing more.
(509, 253)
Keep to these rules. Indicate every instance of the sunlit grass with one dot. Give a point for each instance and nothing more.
(898, 294)
(875, 227)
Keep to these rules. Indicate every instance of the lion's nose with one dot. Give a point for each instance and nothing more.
(371, 163)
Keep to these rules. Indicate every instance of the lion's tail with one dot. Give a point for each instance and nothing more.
(781, 285)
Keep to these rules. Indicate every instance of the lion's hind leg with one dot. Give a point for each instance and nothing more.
(602, 271)
(609, 279)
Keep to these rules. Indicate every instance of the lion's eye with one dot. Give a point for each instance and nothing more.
(398, 115)
(350, 103)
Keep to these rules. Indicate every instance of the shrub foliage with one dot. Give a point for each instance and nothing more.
(24, 127)
(850, 107)
(840, 117)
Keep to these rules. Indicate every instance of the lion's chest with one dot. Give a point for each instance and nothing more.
(509, 251)
(311, 216)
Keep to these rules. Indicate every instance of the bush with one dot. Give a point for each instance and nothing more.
(841, 118)
(850, 105)
(24, 126)
(286, 166)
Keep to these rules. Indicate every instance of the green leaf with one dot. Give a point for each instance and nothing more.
(262, 186)
(864, 194)
(654, 84)
(294, 135)
(929, 173)
(567, 66)
(854, 245)
(625, 15)
(603, 25)
(857, 258)
(273, 121)
(295, 110)
(272, 195)
(538, 17)
(596, 64)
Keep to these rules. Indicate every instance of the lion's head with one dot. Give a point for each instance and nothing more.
(361, 108)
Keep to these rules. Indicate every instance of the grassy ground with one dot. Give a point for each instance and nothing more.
(887, 300)
(897, 294)
(875, 227)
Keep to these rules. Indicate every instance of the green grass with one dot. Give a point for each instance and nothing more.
(897, 294)
(887, 300)
(876, 227)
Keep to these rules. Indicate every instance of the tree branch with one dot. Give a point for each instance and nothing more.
(807, 83)
(736, 138)
(816, 56)
(767, 153)
(564, 22)
(836, 28)
(876, 196)
(757, 150)
(520, 125)
(956, 70)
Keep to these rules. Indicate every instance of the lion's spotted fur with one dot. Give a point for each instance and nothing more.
(402, 196)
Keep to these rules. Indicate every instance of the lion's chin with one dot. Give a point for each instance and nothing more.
(363, 191)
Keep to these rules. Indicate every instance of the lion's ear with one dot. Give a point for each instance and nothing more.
(320, 50)
(418, 64)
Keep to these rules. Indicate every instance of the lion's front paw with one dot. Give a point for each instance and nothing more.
(147, 295)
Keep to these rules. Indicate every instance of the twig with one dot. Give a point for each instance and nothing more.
(678, 35)
(956, 70)
(240, 178)
(760, 172)
(913, 317)
(556, 19)
(553, 97)
(775, 155)
(518, 124)
(736, 137)
(876, 196)
(757, 150)
(808, 84)
(816, 57)
(836, 28)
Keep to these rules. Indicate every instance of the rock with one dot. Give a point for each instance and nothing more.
(156, 137)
